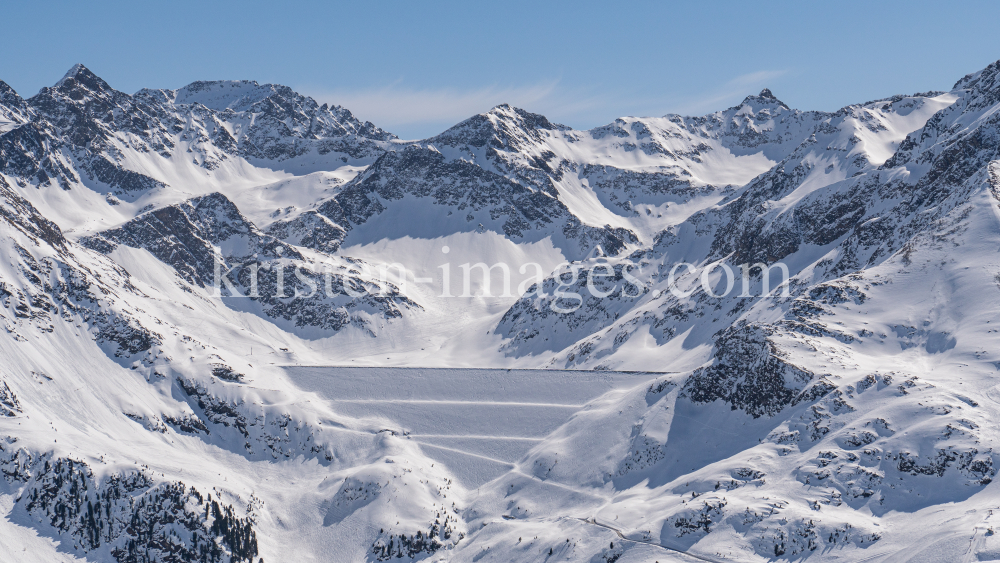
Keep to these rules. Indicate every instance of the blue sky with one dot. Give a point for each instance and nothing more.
(416, 68)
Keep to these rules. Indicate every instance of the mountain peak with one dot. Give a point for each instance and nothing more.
(529, 120)
(8, 96)
(765, 98)
(80, 74)
(504, 126)
(983, 86)
(74, 70)
(237, 95)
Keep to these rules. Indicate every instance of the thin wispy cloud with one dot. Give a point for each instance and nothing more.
(422, 112)
(400, 108)
(754, 78)
(735, 88)
(404, 106)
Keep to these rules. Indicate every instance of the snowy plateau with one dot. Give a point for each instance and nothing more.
(149, 413)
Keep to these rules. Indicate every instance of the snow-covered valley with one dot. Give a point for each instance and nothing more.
(239, 325)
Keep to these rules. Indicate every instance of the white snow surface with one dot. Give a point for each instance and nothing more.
(849, 419)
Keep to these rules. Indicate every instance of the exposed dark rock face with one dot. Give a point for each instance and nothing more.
(10, 406)
(186, 236)
(18, 213)
(54, 284)
(566, 300)
(286, 123)
(749, 374)
(311, 230)
(70, 133)
(503, 205)
(504, 128)
(13, 108)
(240, 426)
(80, 118)
(872, 213)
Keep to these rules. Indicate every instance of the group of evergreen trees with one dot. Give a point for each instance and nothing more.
(144, 523)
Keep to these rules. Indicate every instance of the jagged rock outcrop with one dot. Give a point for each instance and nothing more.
(210, 244)
(83, 131)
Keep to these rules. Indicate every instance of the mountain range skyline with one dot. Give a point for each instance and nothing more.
(325, 403)
(420, 69)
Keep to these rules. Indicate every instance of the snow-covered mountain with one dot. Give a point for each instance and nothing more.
(169, 261)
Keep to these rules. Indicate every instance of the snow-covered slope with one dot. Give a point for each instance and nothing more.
(149, 416)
